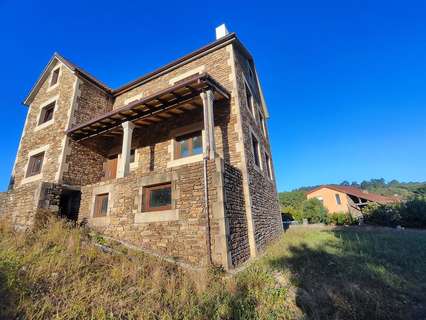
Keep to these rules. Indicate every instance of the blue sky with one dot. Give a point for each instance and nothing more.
(345, 81)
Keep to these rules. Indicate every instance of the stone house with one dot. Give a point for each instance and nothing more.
(177, 162)
(347, 199)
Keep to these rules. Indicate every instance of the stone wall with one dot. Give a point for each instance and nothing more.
(235, 213)
(182, 236)
(23, 206)
(264, 207)
(83, 165)
(19, 206)
(35, 136)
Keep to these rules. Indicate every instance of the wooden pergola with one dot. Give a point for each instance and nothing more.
(164, 104)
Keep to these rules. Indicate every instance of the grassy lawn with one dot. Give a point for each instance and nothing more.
(310, 273)
(353, 273)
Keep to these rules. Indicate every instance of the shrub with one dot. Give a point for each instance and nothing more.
(383, 215)
(410, 214)
(340, 219)
(291, 214)
(413, 213)
(314, 211)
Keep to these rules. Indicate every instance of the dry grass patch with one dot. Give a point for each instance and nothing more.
(58, 273)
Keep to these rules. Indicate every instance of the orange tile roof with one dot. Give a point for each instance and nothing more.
(360, 194)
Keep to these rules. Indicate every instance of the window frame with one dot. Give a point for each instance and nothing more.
(268, 166)
(146, 197)
(338, 199)
(262, 122)
(132, 158)
(56, 71)
(177, 145)
(42, 118)
(31, 163)
(256, 151)
(98, 204)
(250, 100)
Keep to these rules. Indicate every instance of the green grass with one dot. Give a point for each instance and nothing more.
(311, 273)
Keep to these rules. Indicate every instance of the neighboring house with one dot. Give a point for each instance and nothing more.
(347, 199)
(144, 163)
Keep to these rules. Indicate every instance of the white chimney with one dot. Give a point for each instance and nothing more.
(221, 31)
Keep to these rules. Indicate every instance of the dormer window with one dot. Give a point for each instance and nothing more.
(55, 77)
(47, 113)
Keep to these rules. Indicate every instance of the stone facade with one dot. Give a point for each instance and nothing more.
(243, 213)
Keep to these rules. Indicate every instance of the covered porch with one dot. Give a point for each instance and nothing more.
(112, 134)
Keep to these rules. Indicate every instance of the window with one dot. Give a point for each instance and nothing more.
(338, 201)
(35, 164)
(268, 166)
(249, 98)
(55, 76)
(158, 197)
(262, 123)
(321, 199)
(101, 205)
(110, 167)
(189, 145)
(132, 156)
(256, 155)
(47, 113)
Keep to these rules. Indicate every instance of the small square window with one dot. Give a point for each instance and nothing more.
(55, 76)
(189, 145)
(47, 113)
(101, 205)
(256, 155)
(338, 201)
(158, 197)
(35, 164)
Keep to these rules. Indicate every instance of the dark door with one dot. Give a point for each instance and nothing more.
(69, 205)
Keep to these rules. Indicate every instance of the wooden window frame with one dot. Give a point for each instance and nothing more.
(31, 163)
(51, 106)
(97, 210)
(57, 72)
(177, 148)
(146, 206)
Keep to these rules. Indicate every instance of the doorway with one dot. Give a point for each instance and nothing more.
(69, 204)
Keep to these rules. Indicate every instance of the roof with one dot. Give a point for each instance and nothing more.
(154, 108)
(115, 92)
(359, 193)
(57, 57)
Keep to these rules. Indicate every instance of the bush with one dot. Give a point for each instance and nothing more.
(314, 211)
(291, 214)
(340, 219)
(410, 214)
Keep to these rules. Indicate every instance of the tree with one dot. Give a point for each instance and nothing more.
(314, 211)
(344, 183)
(293, 199)
(355, 184)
